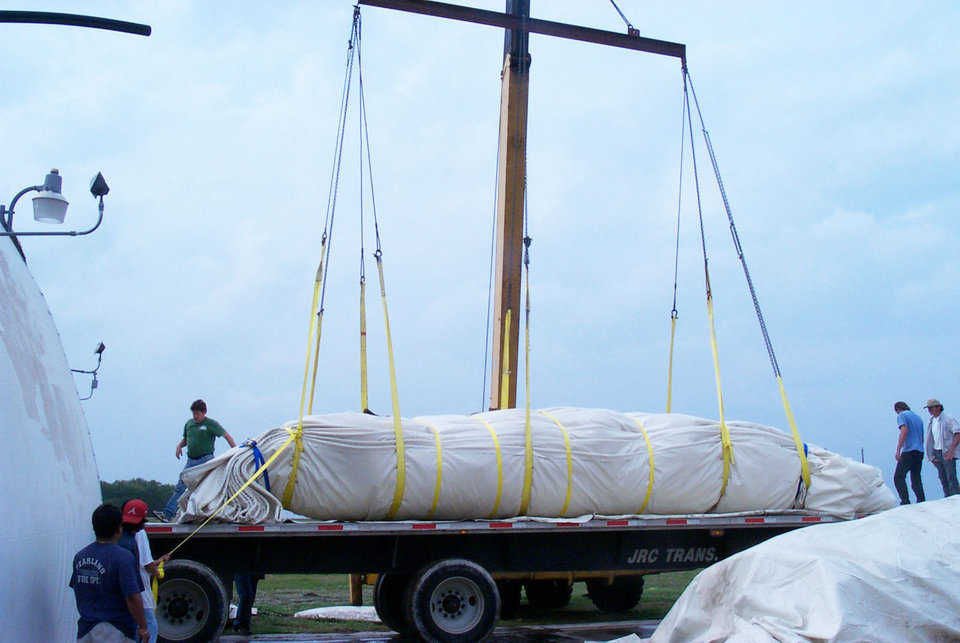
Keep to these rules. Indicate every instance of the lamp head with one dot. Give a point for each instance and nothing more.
(49, 205)
(98, 186)
(100, 349)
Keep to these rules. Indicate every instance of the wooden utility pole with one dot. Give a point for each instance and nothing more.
(511, 192)
(511, 170)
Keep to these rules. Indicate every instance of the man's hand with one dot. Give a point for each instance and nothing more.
(897, 456)
(179, 451)
(143, 635)
(948, 454)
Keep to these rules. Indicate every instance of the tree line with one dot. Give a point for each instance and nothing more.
(154, 493)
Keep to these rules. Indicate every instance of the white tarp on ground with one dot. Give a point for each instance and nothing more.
(891, 577)
(472, 466)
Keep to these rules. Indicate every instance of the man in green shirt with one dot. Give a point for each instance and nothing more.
(199, 435)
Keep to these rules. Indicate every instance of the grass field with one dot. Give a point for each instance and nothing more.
(280, 596)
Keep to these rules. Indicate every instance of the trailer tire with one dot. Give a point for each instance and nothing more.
(548, 594)
(191, 603)
(453, 600)
(621, 595)
(388, 596)
(509, 598)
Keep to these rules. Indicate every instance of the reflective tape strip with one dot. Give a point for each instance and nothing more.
(566, 444)
(496, 446)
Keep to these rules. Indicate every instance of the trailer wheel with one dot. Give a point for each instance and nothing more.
(509, 598)
(191, 603)
(452, 601)
(618, 596)
(548, 594)
(388, 597)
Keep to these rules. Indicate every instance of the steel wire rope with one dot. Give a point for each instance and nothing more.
(726, 444)
(630, 27)
(801, 447)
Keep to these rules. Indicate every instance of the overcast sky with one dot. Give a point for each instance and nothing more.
(834, 125)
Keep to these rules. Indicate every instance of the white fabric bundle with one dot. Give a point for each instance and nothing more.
(887, 578)
(585, 462)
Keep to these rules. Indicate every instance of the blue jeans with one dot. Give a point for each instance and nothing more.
(947, 472)
(170, 509)
(246, 595)
(151, 616)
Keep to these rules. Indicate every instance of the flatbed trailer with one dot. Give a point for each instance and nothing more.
(450, 581)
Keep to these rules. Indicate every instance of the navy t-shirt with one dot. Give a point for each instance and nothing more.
(103, 575)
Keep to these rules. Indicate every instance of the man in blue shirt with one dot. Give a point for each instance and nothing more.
(107, 584)
(909, 453)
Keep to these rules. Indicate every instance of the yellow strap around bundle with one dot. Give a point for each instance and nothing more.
(363, 347)
(496, 446)
(436, 487)
(505, 364)
(566, 444)
(395, 398)
(646, 438)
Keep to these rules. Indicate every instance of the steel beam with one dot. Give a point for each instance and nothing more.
(533, 25)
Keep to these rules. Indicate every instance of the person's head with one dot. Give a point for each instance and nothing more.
(106, 522)
(934, 407)
(901, 406)
(199, 408)
(134, 515)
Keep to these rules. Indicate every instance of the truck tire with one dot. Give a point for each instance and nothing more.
(452, 600)
(509, 598)
(618, 596)
(191, 603)
(548, 594)
(388, 597)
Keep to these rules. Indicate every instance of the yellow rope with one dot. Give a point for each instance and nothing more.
(646, 439)
(673, 332)
(363, 347)
(727, 444)
(155, 582)
(395, 397)
(496, 446)
(804, 465)
(566, 444)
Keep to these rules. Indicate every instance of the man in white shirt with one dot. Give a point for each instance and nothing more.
(134, 518)
(943, 436)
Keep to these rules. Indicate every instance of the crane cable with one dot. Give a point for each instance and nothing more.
(798, 442)
(676, 258)
(726, 443)
(527, 430)
(320, 280)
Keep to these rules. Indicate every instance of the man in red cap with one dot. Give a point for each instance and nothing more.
(134, 539)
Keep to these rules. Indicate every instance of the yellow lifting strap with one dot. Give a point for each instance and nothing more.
(673, 333)
(395, 398)
(246, 484)
(505, 364)
(528, 437)
(566, 444)
(496, 446)
(316, 351)
(436, 487)
(363, 346)
(646, 498)
(297, 435)
(804, 465)
(727, 444)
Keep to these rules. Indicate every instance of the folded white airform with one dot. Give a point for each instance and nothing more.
(580, 462)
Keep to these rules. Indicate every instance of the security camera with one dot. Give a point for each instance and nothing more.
(98, 186)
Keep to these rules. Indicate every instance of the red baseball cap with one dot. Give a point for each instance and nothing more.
(134, 511)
